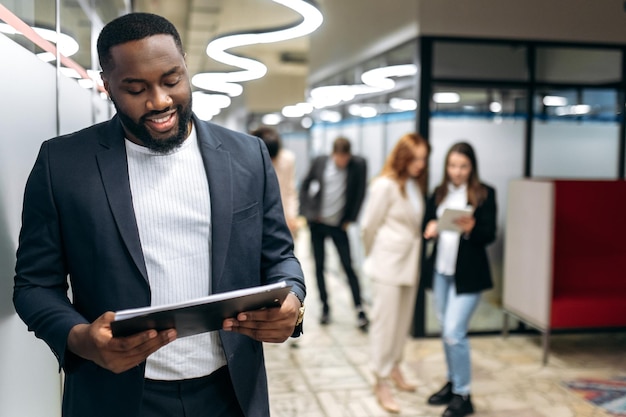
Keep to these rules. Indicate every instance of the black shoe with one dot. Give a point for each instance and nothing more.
(362, 321)
(325, 318)
(443, 396)
(460, 405)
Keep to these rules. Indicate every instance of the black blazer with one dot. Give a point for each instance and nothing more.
(472, 265)
(310, 206)
(78, 222)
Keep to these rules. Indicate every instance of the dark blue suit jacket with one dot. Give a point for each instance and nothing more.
(78, 222)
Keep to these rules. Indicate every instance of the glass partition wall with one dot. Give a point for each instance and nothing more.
(72, 27)
(530, 109)
(41, 100)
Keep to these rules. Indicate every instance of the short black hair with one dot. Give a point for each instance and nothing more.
(270, 137)
(132, 27)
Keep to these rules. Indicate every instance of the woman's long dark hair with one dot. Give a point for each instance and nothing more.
(476, 192)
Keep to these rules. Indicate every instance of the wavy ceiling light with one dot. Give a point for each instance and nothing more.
(13, 24)
(251, 69)
(402, 104)
(381, 77)
(332, 95)
(66, 44)
(374, 81)
(205, 105)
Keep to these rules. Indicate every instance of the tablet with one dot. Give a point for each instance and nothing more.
(446, 221)
(200, 315)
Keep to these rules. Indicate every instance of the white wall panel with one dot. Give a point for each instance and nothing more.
(395, 129)
(575, 150)
(298, 143)
(529, 247)
(351, 130)
(373, 149)
(75, 109)
(30, 384)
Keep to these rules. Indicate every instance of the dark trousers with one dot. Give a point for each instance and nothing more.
(209, 396)
(319, 232)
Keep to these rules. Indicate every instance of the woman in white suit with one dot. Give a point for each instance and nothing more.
(391, 225)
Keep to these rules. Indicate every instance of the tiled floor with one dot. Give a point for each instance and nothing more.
(327, 372)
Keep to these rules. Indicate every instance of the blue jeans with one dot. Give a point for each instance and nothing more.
(454, 312)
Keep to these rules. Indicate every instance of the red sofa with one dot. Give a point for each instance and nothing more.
(565, 255)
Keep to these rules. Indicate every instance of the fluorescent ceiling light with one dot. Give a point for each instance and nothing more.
(554, 101)
(219, 101)
(581, 109)
(306, 122)
(331, 95)
(95, 76)
(251, 69)
(495, 107)
(446, 98)
(576, 110)
(86, 83)
(380, 77)
(297, 110)
(70, 72)
(402, 104)
(330, 116)
(354, 109)
(362, 110)
(216, 81)
(66, 45)
(271, 119)
(205, 106)
(368, 111)
(83, 82)
(46, 56)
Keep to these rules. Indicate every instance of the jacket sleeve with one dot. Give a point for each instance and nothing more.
(278, 262)
(40, 293)
(376, 208)
(360, 167)
(431, 211)
(306, 200)
(484, 231)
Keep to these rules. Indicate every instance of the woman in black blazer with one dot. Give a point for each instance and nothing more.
(456, 267)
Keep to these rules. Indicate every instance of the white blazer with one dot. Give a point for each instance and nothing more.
(285, 166)
(391, 232)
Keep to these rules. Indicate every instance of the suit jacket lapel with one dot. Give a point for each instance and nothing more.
(114, 171)
(219, 173)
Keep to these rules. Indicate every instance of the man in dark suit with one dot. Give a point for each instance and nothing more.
(331, 196)
(149, 208)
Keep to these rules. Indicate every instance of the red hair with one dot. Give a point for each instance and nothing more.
(397, 163)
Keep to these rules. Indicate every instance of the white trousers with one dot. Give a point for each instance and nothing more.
(390, 322)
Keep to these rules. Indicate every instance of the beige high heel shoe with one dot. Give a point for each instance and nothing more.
(385, 397)
(398, 379)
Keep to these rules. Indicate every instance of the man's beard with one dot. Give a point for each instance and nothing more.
(141, 132)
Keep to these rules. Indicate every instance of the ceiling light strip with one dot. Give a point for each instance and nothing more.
(381, 77)
(252, 69)
(27, 31)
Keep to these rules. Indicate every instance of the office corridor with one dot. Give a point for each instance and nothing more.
(327, 372)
